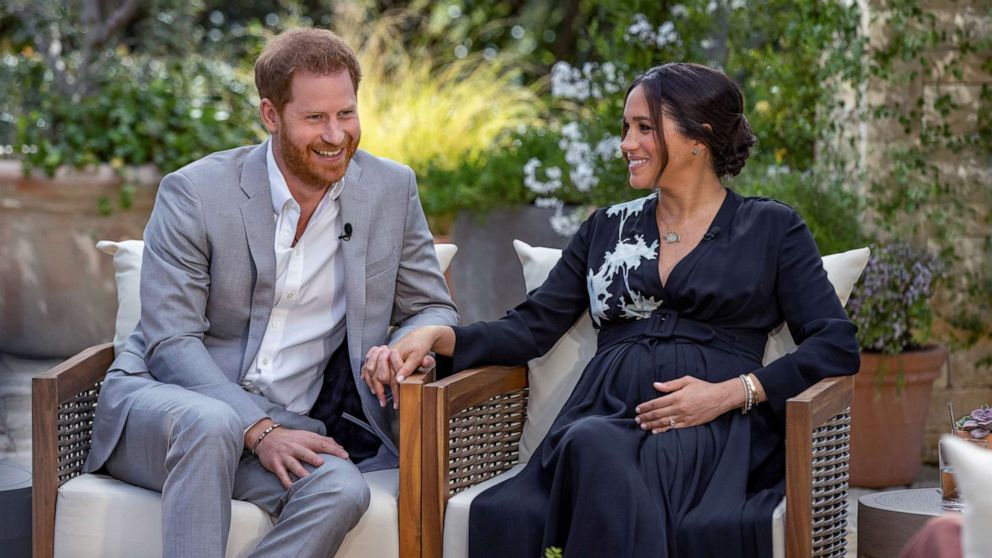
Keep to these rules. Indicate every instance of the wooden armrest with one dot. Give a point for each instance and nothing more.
(476, 385)
(74, 385)
(409, 504)
(488, 405)
(817, 440)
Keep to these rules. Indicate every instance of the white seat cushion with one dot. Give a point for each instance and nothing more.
(456, 514)
(100, 517)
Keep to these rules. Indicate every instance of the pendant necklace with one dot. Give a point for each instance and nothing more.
(672, 236)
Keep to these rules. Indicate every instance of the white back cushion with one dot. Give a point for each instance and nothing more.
(973, 473)
(127, 273)
(553, 376)
(127, 266)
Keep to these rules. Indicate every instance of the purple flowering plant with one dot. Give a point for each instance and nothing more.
(978, 424)
(891, 302)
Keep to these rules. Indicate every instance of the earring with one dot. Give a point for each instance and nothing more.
(696, 151)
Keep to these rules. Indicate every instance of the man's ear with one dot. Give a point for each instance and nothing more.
(270, 116)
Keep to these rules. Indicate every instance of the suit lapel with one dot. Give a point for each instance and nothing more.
(356, 211)
(260, 229)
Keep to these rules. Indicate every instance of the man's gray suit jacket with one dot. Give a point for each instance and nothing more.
(208, 282)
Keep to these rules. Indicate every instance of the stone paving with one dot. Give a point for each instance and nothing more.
(15, 430)
(15, 405)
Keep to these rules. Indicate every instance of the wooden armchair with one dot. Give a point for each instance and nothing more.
(63, 405)
(473, 422)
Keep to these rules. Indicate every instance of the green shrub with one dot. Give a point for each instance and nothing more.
(831, 211)
(146, 111)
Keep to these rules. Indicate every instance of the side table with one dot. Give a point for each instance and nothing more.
(15, 509)
(887, 520)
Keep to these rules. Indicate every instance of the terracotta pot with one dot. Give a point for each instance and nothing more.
(888, 415)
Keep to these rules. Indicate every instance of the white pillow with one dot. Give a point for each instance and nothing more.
(127, 265)
(973, 474)
(127, 268)
(553, 376)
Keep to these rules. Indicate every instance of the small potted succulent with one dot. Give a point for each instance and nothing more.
(977, 425)
(891, 307)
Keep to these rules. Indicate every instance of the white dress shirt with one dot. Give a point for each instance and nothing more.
(309, 310)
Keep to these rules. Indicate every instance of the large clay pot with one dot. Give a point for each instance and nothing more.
(57, 292)
(888, 415)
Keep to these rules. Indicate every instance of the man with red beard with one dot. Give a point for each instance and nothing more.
(268, 273)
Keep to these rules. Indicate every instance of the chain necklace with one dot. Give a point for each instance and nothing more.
(672, 236)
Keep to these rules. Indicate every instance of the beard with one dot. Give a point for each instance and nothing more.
(299, 160)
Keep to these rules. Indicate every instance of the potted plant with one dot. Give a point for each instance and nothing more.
(976, 426)
(891, 306)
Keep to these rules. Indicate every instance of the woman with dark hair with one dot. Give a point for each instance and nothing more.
(671, 443)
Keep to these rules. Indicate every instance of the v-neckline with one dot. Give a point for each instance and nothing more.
(719, 220)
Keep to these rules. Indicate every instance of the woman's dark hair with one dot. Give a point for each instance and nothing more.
(693, 95)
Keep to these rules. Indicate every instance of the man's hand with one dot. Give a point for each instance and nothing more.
(380, 368)
(284, 451)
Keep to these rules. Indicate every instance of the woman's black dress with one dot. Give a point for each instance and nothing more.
(598, 485)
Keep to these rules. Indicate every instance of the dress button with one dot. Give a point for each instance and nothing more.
(265, 361)
(290, 296)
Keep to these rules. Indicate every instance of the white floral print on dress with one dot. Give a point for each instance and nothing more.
(625, 257)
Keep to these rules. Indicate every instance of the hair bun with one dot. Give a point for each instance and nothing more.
(730, 161)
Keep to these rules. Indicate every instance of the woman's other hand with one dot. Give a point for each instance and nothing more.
(409, 353)
(688, 401)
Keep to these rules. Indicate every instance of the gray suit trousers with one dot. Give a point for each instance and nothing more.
(189, 447)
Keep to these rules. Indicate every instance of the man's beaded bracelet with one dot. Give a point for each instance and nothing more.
(262, 436)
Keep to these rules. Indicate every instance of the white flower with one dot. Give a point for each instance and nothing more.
(610, 80)
(641, 30)
(678, 10)
(532, 183)
(738, 4)
(627, 256)
(706, 44)
(571, 131)
(628, 208)
(666, 34)
(608, 148)
(712, 6)
(639, 306)
(548, 202)
(566, 224)
(568, 82)
(583, 176)
(777, 170)
(596, 284)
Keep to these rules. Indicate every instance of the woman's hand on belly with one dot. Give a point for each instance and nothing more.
(688, 401)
